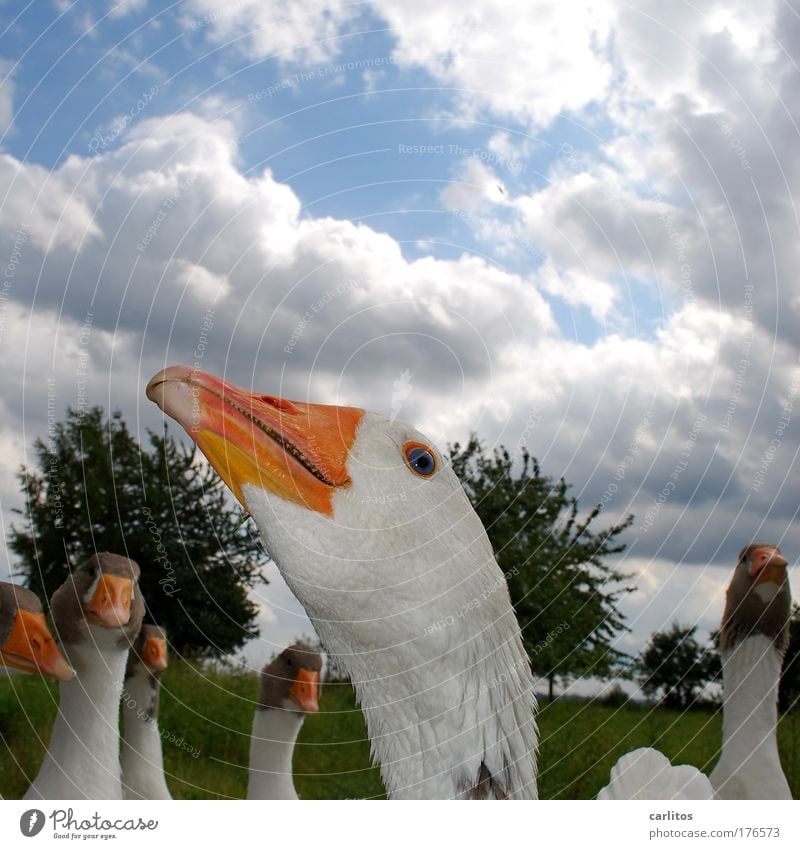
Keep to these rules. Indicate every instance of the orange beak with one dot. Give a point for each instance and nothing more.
(110, 605)
(768, 565)
(30, 647)
(305, 690)
(297, 451)
(154, 654)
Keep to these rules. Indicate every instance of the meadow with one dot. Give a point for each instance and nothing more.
(206, 713)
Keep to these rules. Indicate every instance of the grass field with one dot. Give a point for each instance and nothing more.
(210, 711)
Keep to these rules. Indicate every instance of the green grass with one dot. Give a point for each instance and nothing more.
(209, 711)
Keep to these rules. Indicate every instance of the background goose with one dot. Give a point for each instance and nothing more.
(26, 644)
(142, 760)
(289, 691)
(754, 637)
(97, 613)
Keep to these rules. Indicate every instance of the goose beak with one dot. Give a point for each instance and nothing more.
(30, 647)
(768, 565)
(297, 451)
(305, 690)
(110, 605)
(154, 654)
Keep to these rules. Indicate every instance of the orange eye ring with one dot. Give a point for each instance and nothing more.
(421, 459)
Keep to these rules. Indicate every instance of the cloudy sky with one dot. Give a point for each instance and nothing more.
(570, 227)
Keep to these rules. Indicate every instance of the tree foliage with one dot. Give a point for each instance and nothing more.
(564, 592)
(96, 489)
(675, 667)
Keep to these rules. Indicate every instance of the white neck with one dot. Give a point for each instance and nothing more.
(271, 747)
(749, 766)
(434, 723)
(411, 603)
(142, 758)
(82, 761)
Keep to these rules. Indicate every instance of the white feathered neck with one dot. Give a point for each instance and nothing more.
(403, 589)
(271, 748)
(749, 766)
(82, 760)
(142, 758)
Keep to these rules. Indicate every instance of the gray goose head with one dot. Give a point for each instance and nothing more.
(100, 602)
(758, 600)
(291, 680)
(26, 643)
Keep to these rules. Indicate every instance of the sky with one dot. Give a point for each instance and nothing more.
(570, 228)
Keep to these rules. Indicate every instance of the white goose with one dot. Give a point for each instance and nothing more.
(374, 534)
(142, 759)
(755, 635)
(97, 613)
(289, 690)
(26, 644)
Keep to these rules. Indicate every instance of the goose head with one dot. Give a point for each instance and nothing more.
(291, 680)
(26, 644)
(758, 599)
(100, 604)
(371, 529)
(149, 652)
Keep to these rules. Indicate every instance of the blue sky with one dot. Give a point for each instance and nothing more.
(574, 227)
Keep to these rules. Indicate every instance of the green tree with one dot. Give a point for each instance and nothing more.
(675, 667)
(564, 593)
(96, 489)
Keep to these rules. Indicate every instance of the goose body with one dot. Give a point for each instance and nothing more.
(289, 690)
(755, 635)
(97, 613)
(142, 758)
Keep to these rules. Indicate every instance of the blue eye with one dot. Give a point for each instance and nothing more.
(420, 459)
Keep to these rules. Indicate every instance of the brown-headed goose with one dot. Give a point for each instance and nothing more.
(97, 613)
(142, 759)
(754, 638)
(371, 529)
(289, 690)
(26, 644)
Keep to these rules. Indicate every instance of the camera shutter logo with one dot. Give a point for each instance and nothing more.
(31, 822)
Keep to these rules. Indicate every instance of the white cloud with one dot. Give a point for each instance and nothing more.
(474, 185)
(291, 32)
(203, 284)
(527, 61)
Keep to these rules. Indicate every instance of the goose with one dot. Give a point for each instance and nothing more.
(754, 639)
(97, 613)
(26, 644)
(289, 690)
(372, 531)
(142, 761)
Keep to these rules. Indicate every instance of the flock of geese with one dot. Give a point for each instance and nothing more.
(109, 658)
(375, 536)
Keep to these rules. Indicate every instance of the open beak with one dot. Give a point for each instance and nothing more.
(297, 451)
(110, 605)
(768, 565)
(305, 690)
(30, 647)
(154, 654)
